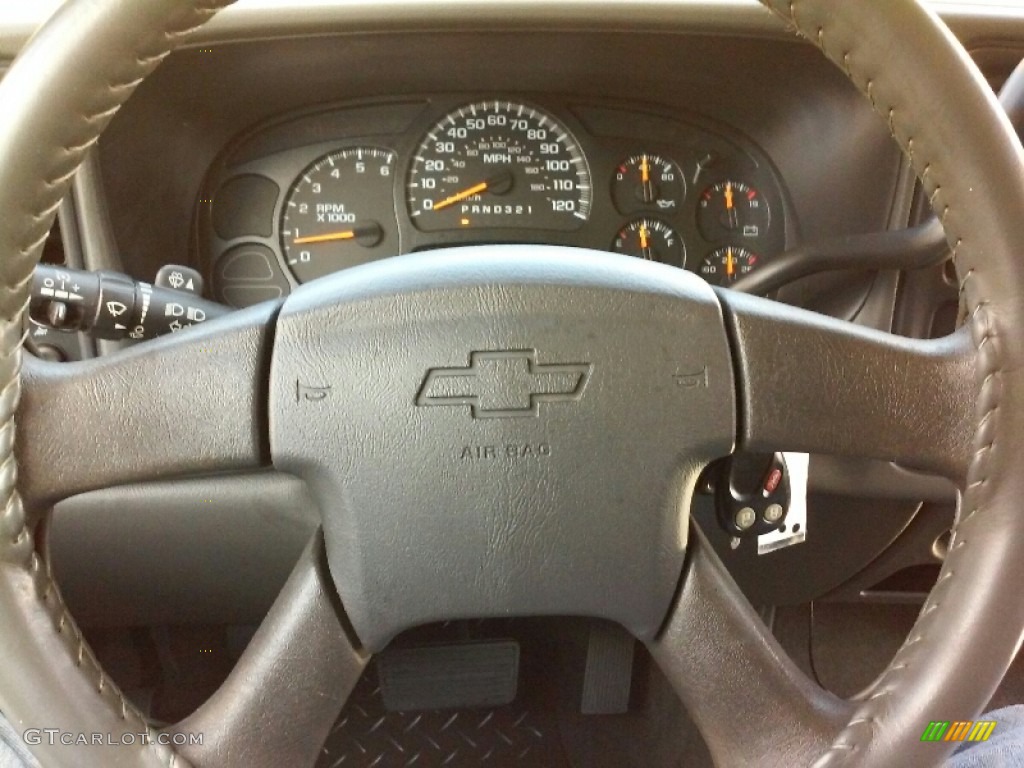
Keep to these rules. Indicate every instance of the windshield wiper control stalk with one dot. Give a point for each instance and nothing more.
(109, 305)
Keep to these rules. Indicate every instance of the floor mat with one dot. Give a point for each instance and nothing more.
(368, 736)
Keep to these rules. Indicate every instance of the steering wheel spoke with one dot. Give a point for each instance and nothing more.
(281, 699)
(751, 703)
(814, 384)
(190, 403)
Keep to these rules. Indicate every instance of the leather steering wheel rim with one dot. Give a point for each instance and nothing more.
(92, 55)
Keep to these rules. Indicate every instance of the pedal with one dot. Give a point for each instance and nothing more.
(609, 672)
(462, 676)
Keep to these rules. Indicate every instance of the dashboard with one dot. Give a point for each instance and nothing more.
(330, 188)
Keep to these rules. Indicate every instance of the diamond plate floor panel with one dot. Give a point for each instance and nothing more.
(368, 736)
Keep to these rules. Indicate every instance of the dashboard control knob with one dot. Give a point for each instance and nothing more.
(179, 278)
(57, 313)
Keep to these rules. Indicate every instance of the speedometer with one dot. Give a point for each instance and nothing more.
(498, 164)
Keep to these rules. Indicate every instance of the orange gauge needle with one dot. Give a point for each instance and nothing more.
(645, 243)
(647, 191)
(476, 189)
(728, 195)
(730, 263)
(328, 238)
(368, 234)
(497, 184)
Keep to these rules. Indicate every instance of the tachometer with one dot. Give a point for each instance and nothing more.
(340, 212)
(498, 164)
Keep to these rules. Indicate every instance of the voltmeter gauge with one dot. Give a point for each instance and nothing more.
(340, 212)
(732, 210)
(727, 265)
(648, 182)
(651, 239)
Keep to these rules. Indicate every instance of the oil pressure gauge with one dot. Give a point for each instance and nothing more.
(648, 182)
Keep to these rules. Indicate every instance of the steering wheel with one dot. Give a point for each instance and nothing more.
(517, 430)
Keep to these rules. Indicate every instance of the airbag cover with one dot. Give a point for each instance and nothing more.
(502, 430)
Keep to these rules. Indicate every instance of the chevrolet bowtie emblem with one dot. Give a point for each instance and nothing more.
(502, 385)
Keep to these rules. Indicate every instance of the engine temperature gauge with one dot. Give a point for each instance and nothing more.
(727, 265)
(652, 240)
(648, 182)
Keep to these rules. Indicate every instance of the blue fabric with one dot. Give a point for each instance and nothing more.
(13, 752)
(1004, 749)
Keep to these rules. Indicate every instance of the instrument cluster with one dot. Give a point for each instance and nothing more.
(315, 193)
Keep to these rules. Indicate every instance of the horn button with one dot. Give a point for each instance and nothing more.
(502, 431)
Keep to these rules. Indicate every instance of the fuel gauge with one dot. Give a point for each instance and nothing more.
(648, 182)
(652, 240)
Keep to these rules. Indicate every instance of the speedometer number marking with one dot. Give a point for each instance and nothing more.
(498, 164)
